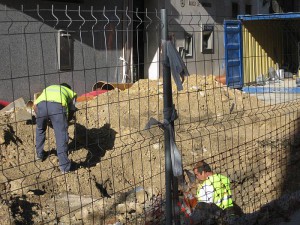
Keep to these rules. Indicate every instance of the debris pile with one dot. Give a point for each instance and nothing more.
(119, 175)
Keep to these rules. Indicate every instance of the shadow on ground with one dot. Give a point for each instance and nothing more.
(96, 141)
(21, 210)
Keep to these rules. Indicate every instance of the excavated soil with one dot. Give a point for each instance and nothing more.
(119, 165)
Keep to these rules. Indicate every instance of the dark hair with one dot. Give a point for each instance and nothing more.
(66, 85)
(202, 166)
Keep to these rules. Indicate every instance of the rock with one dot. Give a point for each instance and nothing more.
(2, 137)
(141, 196)
(112, 221)
(139, 209)
(85, 212)
(152, 191)
(78, 215)
(82, 214)
(19, 103)
(21, 115)
(121, 208)
(5, 216)
(156, 146)
(195, 88)
(2, 188)
(54, 160)
(128, 207)
(206, 214)
(202, 93)
(18, 186)
(131, 196)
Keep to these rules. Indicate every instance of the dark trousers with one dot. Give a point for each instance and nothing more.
(56, 113)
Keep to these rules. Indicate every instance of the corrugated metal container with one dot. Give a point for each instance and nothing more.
(262, 48)
(266, 42)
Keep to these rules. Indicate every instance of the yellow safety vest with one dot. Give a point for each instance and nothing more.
(222, 194)
(56, 93)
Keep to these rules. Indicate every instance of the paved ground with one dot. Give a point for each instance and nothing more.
(276, 92)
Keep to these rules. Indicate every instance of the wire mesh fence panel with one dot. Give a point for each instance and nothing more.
(247, 134)
(116, 171)
(112, 58)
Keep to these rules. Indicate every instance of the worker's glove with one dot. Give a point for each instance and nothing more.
(71, 115)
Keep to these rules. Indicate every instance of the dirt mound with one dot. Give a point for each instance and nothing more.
(119, 174)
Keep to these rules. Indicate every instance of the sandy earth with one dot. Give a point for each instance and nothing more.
(119, 166)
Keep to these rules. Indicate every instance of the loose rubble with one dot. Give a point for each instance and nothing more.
(119, 176)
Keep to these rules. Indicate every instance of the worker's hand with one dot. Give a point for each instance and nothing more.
(71, 115)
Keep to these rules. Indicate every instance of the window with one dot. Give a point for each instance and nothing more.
(188, 45)
(181, 51)
(248, 9)
(234, 10)
(207, 39)
(65, 51)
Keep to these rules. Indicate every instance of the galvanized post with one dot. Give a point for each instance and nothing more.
(168, 103)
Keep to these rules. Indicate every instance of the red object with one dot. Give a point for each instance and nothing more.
(3, 104)
(221, 79)
(190, 200)
(90, 95)
(95, 93)
(185, 210)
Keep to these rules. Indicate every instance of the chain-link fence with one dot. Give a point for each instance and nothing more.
(119, 63)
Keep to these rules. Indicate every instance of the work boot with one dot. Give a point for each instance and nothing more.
(74, 166)
(41, 158)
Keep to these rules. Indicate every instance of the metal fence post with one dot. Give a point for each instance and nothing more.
(168, 103)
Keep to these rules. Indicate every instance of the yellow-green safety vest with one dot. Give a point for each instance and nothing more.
(56, 93)
(222, 194)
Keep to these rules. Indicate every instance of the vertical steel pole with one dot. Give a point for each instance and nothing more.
(168, 103)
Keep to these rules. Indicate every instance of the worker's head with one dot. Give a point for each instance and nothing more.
(202, 170)
(66, 85)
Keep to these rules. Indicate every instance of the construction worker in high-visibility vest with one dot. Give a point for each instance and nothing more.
(214, 188)
(57, 104)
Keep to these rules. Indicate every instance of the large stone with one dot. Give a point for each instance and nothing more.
(137, 194)
(21, 115)
(141, 196)
(121, 208)
(74, 201)
(19, 103)
(128, 207)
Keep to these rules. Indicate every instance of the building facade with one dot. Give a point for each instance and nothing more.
(85, 41)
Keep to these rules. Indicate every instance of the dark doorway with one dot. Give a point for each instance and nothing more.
(138, 40)
(234, 10)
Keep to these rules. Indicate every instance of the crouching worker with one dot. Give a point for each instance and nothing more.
(213, 194)
(57, 104)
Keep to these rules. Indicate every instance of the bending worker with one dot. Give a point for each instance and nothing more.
(57, 104)
(213, 188)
